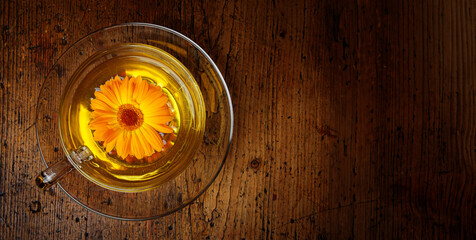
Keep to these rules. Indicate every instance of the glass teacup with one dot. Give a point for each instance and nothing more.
(192, 154)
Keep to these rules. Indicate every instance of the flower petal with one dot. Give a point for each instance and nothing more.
(98, 104)
(110, 145)
(109, 93)
(124, 144)
(102, 113)
(152, 136)
(137, 149)
(148, 149)
(120, 145)
(154, 100)
(142, 90)
(115, 87)
(127, 148)
(123, 93)
(101, 122)
(157, 119)
(160, 127)
(112, 133)
(100, 96)
(155, 110)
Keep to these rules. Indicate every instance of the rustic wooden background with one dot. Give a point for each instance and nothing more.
(354, 119)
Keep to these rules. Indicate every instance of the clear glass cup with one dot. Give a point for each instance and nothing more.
(131, 200)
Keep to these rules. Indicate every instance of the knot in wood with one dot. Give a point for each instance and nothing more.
(255, 163)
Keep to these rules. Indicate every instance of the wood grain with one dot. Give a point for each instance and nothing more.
(353, 119)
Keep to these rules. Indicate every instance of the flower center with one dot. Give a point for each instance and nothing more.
(130, 117)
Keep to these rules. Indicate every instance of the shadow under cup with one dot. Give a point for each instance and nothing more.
(185, 180)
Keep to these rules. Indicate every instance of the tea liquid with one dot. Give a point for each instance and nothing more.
(185, 102)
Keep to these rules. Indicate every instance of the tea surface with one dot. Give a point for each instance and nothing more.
(185, 103)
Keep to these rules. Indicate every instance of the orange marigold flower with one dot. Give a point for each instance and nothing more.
(128, 116)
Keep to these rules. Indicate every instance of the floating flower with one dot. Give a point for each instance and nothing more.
(128, 116)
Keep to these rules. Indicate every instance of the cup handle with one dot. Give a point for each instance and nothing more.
(53, 174)
(57, 171)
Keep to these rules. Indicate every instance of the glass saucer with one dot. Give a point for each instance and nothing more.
(205, 165)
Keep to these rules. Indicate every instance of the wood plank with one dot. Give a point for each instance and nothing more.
(352, 119)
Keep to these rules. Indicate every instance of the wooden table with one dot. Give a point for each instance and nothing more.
(353, 119)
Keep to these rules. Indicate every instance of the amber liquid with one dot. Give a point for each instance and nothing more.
(185, 102)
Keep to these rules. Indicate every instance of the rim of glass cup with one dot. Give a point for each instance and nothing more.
(220, 78)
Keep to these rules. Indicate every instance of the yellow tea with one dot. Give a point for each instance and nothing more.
(185, 103)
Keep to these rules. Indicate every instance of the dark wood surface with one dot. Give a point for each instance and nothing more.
(353, 119)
